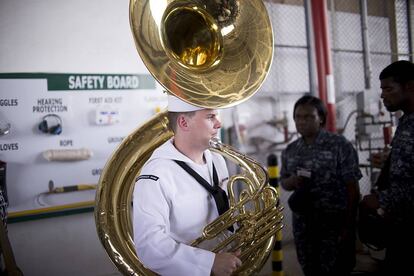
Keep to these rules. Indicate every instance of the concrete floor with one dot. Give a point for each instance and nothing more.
(367, 261)
(290, 265)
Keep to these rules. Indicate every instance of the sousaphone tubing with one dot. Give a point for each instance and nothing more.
(212, 54)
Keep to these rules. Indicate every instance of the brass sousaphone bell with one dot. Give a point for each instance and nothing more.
(213, 54)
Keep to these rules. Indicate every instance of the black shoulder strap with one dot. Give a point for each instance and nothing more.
(220, 196)
(199, 178)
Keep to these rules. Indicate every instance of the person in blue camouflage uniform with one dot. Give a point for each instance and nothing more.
(396, 200)
(326, 164)
(3, 208)
(3, 218)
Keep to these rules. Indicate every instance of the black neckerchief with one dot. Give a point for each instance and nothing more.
(219, 195)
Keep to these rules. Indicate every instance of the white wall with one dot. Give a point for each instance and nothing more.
(68, 37)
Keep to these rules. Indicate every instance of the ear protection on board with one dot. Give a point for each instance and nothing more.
(4, 128)
(51, 128)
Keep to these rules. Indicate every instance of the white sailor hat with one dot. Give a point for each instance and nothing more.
(177, 105)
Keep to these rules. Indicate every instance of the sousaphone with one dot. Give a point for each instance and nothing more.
(213, 54)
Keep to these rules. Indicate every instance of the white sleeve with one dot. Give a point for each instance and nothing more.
(153, 243)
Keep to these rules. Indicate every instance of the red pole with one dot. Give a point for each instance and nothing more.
(323, 60)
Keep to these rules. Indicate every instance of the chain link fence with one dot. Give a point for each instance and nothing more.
(365, 36)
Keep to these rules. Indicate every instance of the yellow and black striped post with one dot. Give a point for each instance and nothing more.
(277, 254)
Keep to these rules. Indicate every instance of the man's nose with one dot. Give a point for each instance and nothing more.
(217, 124)
(300, 120)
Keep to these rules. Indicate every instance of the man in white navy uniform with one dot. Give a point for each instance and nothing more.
(171, 207)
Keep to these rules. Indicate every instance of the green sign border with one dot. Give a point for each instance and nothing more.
(60, 81)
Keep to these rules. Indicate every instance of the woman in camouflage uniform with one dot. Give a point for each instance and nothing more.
(322, 169)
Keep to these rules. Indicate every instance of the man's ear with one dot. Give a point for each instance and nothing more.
(409, 86)
(410, 90)
(182, 122)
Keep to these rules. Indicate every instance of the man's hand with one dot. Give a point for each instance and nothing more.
(378, 159)
(293, 182)
(226, 263)
(371, 201)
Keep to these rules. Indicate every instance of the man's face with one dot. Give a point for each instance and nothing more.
(204, 125)
(393, 94)
(307, 121)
